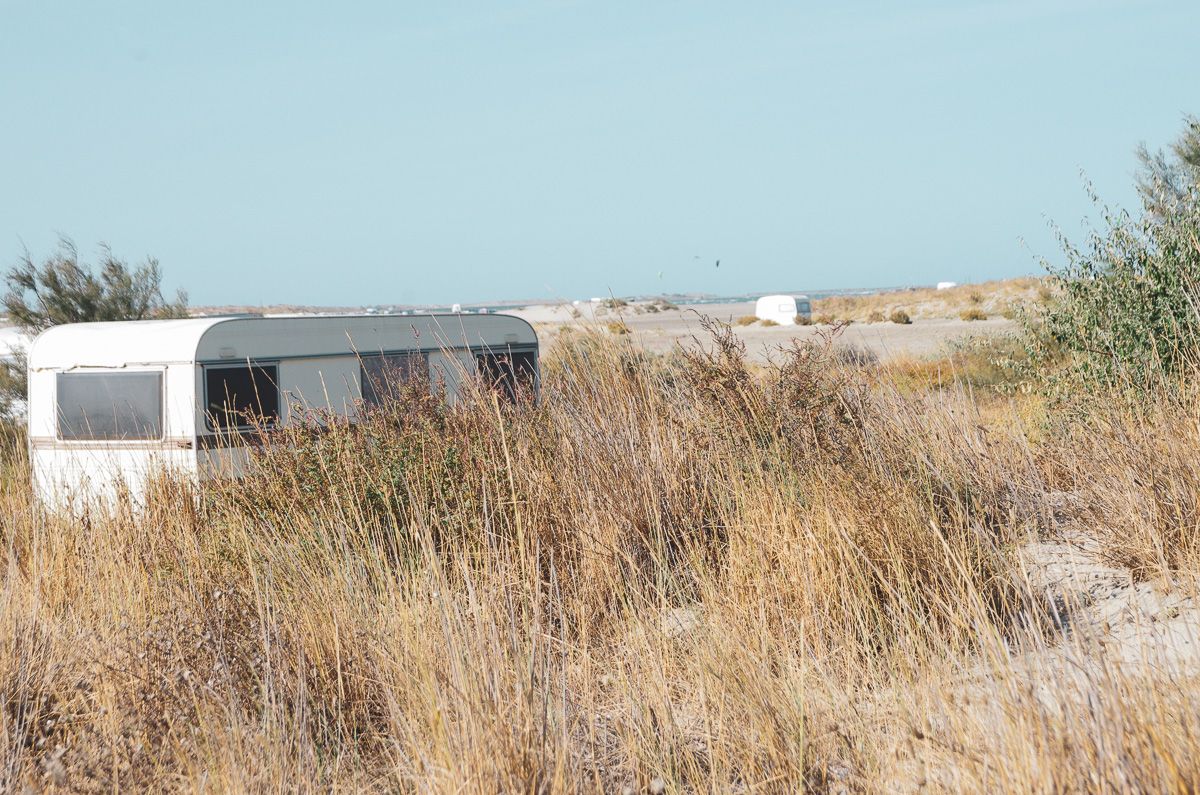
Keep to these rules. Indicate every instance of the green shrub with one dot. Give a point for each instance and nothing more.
(1123, 310)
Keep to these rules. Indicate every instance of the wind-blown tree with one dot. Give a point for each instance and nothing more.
(1171, 177)
(64, 290)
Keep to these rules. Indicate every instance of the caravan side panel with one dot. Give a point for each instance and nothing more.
(69, 468)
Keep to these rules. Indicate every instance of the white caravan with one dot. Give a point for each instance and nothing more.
(112, 403)
(783, 309)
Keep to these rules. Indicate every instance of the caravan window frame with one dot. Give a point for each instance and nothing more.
(160, 372)
(510, 349)
(420, 354)
(206, 367)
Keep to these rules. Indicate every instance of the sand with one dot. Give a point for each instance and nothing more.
(661, 331)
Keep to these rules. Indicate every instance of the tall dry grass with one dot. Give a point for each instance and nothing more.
(664, 575)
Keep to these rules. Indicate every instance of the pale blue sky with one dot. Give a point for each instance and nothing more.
(380, 152)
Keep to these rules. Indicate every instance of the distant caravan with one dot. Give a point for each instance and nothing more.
(110, 404)
(786, 310)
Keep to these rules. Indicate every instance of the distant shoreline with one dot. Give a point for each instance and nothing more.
(512, 305)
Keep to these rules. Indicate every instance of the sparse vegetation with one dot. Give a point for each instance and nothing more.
(973, 313)
(900, 317)
(875, 316)
(994, 298)
(768, 322)
(747, 320)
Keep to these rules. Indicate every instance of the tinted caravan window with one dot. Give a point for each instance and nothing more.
(384, 375)
(239, 396)
(512, 372)
(100, 406)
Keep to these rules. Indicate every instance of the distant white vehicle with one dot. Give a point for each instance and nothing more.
(946, 285)
(783, 309)
(456, 308)
(112, 403)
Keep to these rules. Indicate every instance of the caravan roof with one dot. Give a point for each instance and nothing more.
(124, 343)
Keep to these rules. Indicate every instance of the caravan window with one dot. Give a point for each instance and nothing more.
(240, 396)
(512, 372)
(383, 375)
(109, 406)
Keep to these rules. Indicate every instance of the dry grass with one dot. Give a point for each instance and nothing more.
(992, 298)
(805, 576)
(972, 313)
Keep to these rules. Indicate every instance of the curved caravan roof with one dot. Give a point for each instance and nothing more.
(118, 344)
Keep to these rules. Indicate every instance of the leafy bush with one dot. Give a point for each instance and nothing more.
(1124, 309)
(901, 317)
